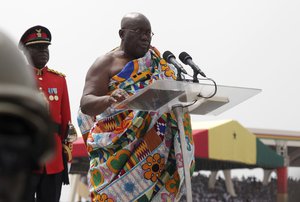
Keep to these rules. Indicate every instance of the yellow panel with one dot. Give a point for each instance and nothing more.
(232, 142)
(208, 124)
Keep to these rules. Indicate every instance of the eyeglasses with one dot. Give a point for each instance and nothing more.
(141, 32)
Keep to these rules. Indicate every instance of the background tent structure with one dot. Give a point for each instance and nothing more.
(223, 145)
(227, 144)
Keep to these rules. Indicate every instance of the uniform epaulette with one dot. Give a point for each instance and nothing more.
(56, 72)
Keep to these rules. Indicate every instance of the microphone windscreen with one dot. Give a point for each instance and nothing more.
(167, 55)
(184, 57)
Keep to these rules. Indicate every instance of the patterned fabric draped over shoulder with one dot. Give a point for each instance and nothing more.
(136, 155)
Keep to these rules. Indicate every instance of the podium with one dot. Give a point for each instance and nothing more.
(163, 94)
(181, 96)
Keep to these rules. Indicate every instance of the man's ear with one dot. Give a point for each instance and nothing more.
(121, 33)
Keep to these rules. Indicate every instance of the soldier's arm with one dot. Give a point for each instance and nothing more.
(65, 110)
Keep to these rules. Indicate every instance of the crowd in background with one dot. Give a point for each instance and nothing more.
(247, 189)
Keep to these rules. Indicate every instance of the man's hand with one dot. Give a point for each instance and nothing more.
(118, 95)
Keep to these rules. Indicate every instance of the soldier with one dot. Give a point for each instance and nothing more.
(46, 182)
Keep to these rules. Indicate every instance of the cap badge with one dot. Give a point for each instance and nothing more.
(38, 32)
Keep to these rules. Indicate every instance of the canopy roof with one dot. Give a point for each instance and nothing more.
(227, 144)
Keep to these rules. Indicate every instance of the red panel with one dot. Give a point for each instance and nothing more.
(201, 143)
(282, 180)
(79, 149)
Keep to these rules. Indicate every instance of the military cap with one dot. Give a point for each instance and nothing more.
(35, 35)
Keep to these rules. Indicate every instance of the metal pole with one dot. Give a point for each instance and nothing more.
(178, 111)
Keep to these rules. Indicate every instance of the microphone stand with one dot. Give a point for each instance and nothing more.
(195, 78)
(179, 78)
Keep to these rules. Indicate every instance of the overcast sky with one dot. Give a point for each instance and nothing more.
(253, 44)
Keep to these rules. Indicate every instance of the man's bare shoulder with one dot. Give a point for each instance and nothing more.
(107, 60)
(103, 60)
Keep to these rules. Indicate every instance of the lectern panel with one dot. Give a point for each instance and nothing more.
(163, 94)
(153, 99)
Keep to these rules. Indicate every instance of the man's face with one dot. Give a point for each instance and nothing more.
(137, 39)
(38, 54)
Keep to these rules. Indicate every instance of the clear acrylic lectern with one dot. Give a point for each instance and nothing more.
(181, 96)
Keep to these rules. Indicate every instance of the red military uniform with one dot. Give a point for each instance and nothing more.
(45, 184)
(54, 86)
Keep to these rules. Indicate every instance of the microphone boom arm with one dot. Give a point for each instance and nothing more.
(195, 74)
(179, 75)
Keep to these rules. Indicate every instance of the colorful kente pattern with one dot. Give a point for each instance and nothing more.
(136, 155)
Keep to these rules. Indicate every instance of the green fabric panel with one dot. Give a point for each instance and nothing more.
(267, 157)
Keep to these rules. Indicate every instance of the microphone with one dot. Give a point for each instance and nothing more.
(187, 59)
(170, 58)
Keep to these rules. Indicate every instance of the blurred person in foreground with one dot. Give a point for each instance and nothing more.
(26, 138)
(134, 155)
(46, 182)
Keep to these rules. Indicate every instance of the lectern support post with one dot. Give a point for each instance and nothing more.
(178, 111)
